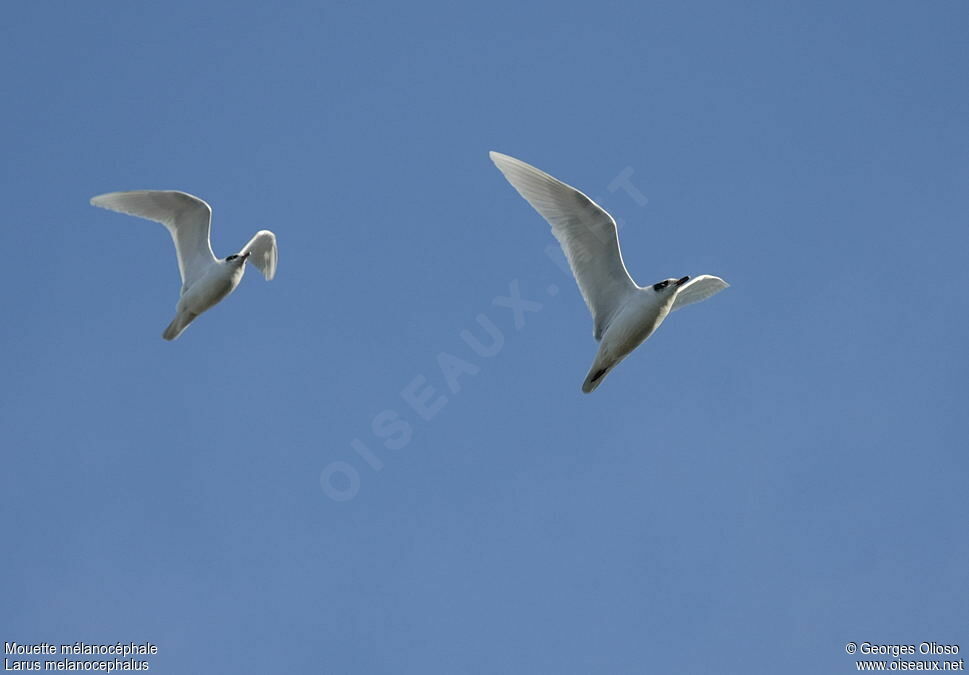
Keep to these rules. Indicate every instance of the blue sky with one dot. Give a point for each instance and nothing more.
(778, 471)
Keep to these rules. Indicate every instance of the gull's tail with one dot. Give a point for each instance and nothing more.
(178, 324)
(597, 373)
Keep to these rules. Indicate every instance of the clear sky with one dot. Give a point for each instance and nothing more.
(777, 472)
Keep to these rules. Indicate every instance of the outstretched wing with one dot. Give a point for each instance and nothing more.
(262, 250)
(187, 218)
(586, 232)
(697, 289)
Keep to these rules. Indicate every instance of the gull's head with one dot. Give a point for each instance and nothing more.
(669, 286)
(237, 260)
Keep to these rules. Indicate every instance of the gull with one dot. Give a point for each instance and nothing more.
(624, 315)
(205, 279)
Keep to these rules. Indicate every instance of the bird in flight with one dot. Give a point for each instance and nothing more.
(623, 314)
(205, 279)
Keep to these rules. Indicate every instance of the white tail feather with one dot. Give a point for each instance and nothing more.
(178, 324)
(597, 373)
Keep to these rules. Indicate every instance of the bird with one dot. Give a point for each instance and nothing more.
(206, 280)
(624, 314)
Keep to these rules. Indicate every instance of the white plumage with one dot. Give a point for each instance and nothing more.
(205, 279)
(623, 314)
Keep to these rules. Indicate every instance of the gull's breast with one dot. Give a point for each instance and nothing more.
(635, 323)
(209, 290)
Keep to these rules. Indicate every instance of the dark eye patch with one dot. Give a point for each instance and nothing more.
(661, 285)
(231, 257)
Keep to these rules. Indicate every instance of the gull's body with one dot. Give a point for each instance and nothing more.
(206, 280)
(624, 314)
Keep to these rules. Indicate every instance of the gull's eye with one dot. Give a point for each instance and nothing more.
(660, 286)
(231, 257)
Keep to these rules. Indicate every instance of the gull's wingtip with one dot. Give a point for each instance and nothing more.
(717, 280)
(101, 200)
(270, 272)
(501, 158)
